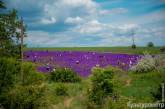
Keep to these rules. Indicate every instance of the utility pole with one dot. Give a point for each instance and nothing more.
(22, 36)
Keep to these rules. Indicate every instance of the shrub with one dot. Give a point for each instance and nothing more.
(15, 94)
(25, 97)
(31, 76)
(133, 46)
(157, 94)
(61, 90)
(64, 75)
(9, 71)
(150, 44)
(162, 49)
(145, 64)
(102, 85)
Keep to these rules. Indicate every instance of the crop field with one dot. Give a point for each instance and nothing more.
(123, 50)
(80, 62)
(83, 59)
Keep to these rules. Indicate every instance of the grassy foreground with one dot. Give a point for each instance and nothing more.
(132, 87)
(129, 50)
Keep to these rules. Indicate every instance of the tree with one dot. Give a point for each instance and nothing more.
(150, 44)
(9, 34)
(2, 5)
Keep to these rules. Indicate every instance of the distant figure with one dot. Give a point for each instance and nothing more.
(77, 62)
(54, 69)
(97, 65)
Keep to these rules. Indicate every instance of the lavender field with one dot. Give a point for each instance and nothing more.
(80, 62)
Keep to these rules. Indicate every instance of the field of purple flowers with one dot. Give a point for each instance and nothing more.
(80, 62)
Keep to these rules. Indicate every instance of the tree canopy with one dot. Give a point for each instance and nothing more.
(9, 32)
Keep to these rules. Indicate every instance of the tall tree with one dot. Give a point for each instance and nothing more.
(2, 4)
(10, 34)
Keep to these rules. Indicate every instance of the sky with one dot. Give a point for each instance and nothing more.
(86, 23)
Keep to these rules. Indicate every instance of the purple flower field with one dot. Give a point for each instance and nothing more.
(80, 62)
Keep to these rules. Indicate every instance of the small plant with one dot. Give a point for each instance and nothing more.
(162, 49)
(145, 64)
(150, 44)
(64, 75)
(158, 95)
(133, 46)
(61, 90)
(102, 85)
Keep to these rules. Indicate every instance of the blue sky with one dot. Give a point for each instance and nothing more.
(74, 23)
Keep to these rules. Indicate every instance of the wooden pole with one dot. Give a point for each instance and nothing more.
(22, 35)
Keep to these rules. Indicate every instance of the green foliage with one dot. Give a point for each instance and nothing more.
(9, 71)
(61, 89)
(31, 94)
(162, 49)
(157, 94)
(150, 44)
(9, 34)
(146, 64)
(102, 86)
(133, 46)
(64, 75)
(141, 85)
(26, 97)
(2, 5)
(31, 76)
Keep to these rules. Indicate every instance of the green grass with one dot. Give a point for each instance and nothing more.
(76, 97)
(138, 91)
(128, 50)
(142, 85)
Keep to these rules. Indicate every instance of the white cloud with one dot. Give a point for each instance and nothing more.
(48, 21)
(62, 9)
(89, 19)
(77, 3)
(96, 27)
(92, 26)
(42, 39)
(106, 35)
(87, 4)
(113, 11)
(145, 19)
(75, 20)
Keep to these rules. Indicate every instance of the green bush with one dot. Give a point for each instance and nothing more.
(25, 97)
(102, 85)
(17, 94)
(64, 75)
(146, 64)
(9, 72)
(31, 76)
(61, 90)
(162, 49)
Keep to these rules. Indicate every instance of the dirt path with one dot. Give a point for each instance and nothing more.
(67, 102)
